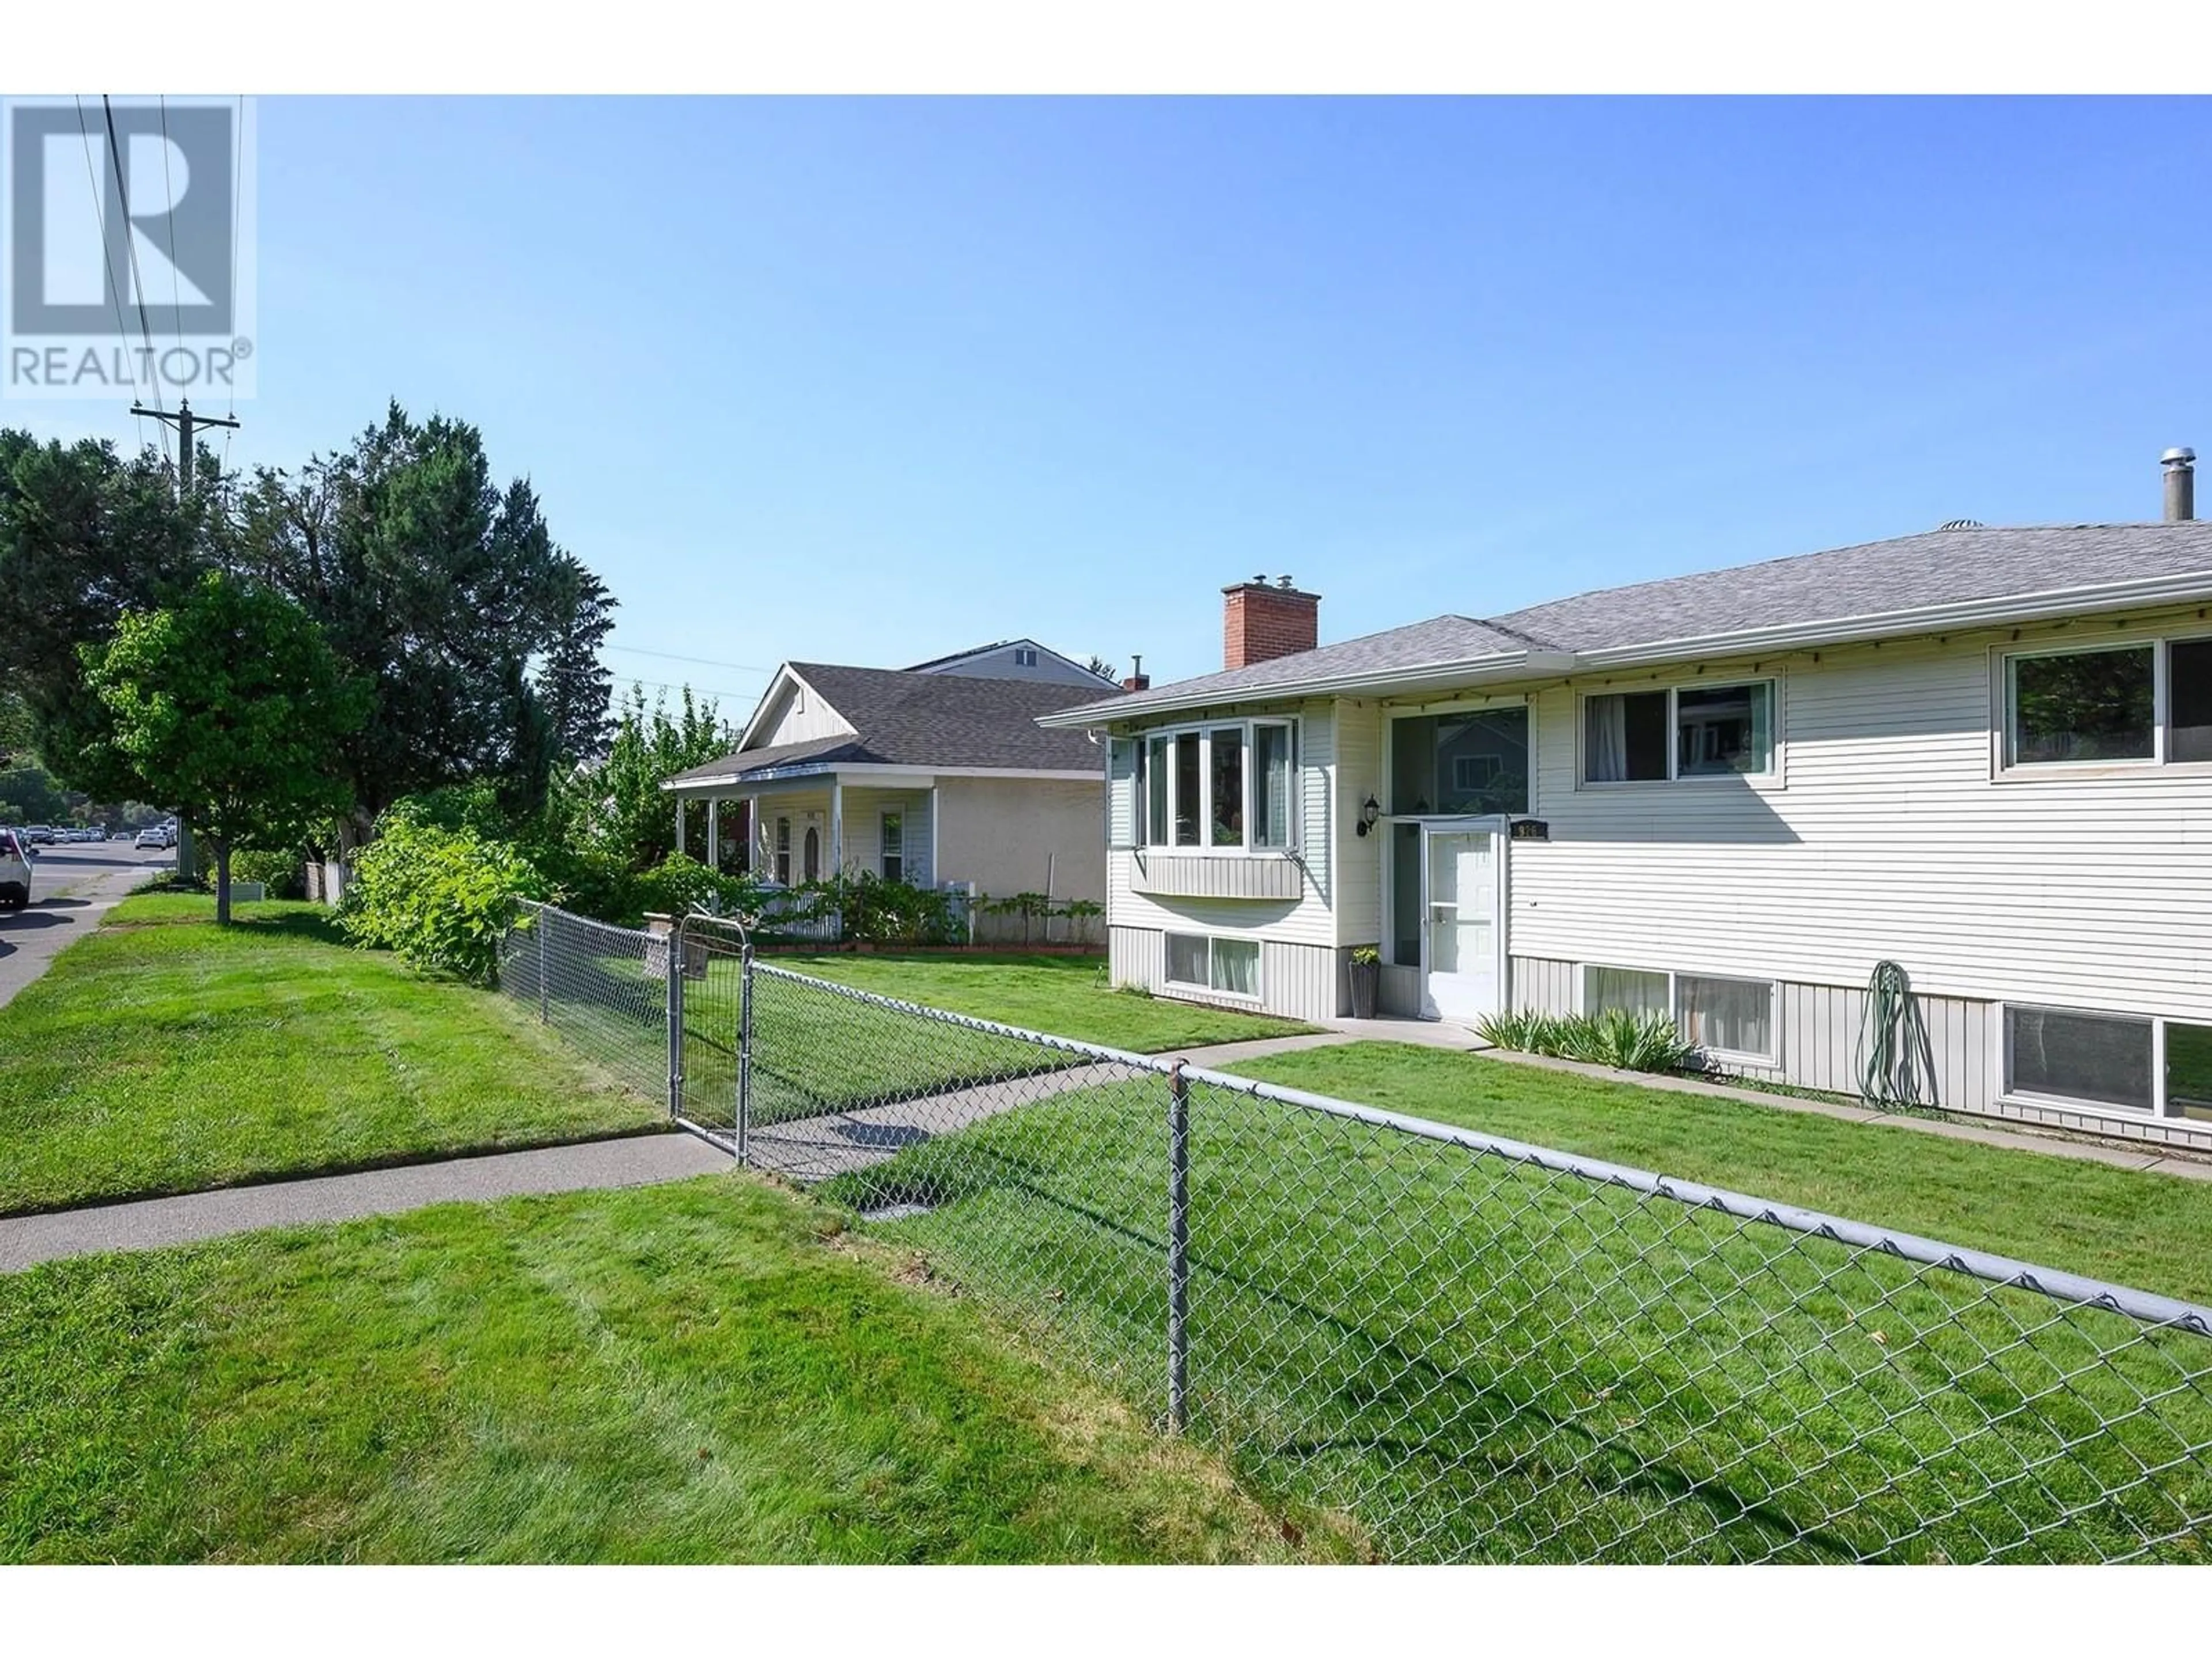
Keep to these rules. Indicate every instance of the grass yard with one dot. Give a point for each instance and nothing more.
(702, 1371)
(1482, 1361)
(1064, 996)
(2151, 1231)
(163, 1054)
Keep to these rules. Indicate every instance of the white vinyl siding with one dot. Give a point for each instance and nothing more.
(1892, 841)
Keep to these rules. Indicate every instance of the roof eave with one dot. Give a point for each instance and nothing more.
(1971, 613)
(1461, 670)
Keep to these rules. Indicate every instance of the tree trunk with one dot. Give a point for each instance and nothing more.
(221, 883)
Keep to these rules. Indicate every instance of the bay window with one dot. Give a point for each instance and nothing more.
(1228, 786)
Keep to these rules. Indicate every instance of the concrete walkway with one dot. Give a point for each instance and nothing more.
(634, 1161)
(813, 1148)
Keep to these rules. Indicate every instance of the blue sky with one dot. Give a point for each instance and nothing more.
(869, 381)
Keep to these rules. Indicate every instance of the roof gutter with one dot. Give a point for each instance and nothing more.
(1420, 677)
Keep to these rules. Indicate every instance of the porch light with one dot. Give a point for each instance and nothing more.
(1369, 810)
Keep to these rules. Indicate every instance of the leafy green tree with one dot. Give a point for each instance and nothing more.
(230, 705)
(479, 634)
(617, 807)
(85, 536)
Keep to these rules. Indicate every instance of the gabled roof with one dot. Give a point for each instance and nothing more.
(903, 718)
(936, 664)
(1973, 576)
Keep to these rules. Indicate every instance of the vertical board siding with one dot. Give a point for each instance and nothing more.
(1303, 981)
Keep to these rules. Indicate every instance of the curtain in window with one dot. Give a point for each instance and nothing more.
(1607, 741)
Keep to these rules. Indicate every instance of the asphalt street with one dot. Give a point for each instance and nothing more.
(71, 889)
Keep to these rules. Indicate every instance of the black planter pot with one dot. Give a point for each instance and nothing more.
(1365, 978)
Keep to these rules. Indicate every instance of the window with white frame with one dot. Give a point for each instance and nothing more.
(893, 846)
(1226, 787)
(1723, 1015)
(2146, 702)
(1024, 657)
(1697, 731)
(783, 851)
(2143, 1065)
(1204, 962)
(1468, 761)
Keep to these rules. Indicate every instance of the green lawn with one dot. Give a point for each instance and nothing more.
(702, 1371)
(164, 1054)
(1480, 1360)
(1064, 996)
(2151, 1231)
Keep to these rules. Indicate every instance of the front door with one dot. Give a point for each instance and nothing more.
(1460, 870)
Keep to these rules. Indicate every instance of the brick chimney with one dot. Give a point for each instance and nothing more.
(1139, 680)
(1260, 622)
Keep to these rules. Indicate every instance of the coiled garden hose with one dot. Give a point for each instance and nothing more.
(1893, 1057)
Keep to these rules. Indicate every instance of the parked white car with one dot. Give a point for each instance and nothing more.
(152, 835)
(15, 856)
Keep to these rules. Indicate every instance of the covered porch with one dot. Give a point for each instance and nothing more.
(793, 825)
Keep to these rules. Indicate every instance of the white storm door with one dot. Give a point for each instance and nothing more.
(1459, 914)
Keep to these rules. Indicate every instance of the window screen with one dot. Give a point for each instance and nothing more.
(1630, 989)
(1187, 959)
(1733, 1015)
(2188, 1070)
(2100, 1057)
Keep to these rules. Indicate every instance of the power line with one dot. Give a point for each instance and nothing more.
(131, 248)
(696, 691)
(107, 261)
(703, 662)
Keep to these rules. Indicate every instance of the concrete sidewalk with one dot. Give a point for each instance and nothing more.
(633, 1161)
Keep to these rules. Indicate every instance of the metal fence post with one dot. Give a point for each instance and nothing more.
(744, 1047)
(673, 964)
(544, 997)
(1178, 1248)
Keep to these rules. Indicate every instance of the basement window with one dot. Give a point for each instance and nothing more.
(1228, 967)
(2066, 1054)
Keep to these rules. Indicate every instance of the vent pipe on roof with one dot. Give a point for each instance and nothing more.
(2181, 466)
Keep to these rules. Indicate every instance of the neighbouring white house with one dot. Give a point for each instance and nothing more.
(1984, 754)
(939, 776)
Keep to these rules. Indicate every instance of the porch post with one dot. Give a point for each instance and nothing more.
(713, 834)
(679, 824)
(836, 826)
(936, 875)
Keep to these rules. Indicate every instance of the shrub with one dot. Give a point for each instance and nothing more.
(1625, 1042)
(873, 911)
(284, 874)
(442, 898)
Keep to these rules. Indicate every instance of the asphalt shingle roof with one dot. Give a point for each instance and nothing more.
(901, 718)
(1908, 573)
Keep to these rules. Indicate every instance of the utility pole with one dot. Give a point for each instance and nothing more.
(186, 423)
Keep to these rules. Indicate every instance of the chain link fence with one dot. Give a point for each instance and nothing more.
(1477, 1350)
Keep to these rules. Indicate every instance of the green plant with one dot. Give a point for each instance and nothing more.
(441, 898)
(1625, 1042)
(282, 875)
(871, 910)
(1366, 955)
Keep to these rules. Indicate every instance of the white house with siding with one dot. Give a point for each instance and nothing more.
(933, 777)
(1982, 754)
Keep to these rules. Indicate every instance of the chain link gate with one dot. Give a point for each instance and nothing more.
(708, 1001)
